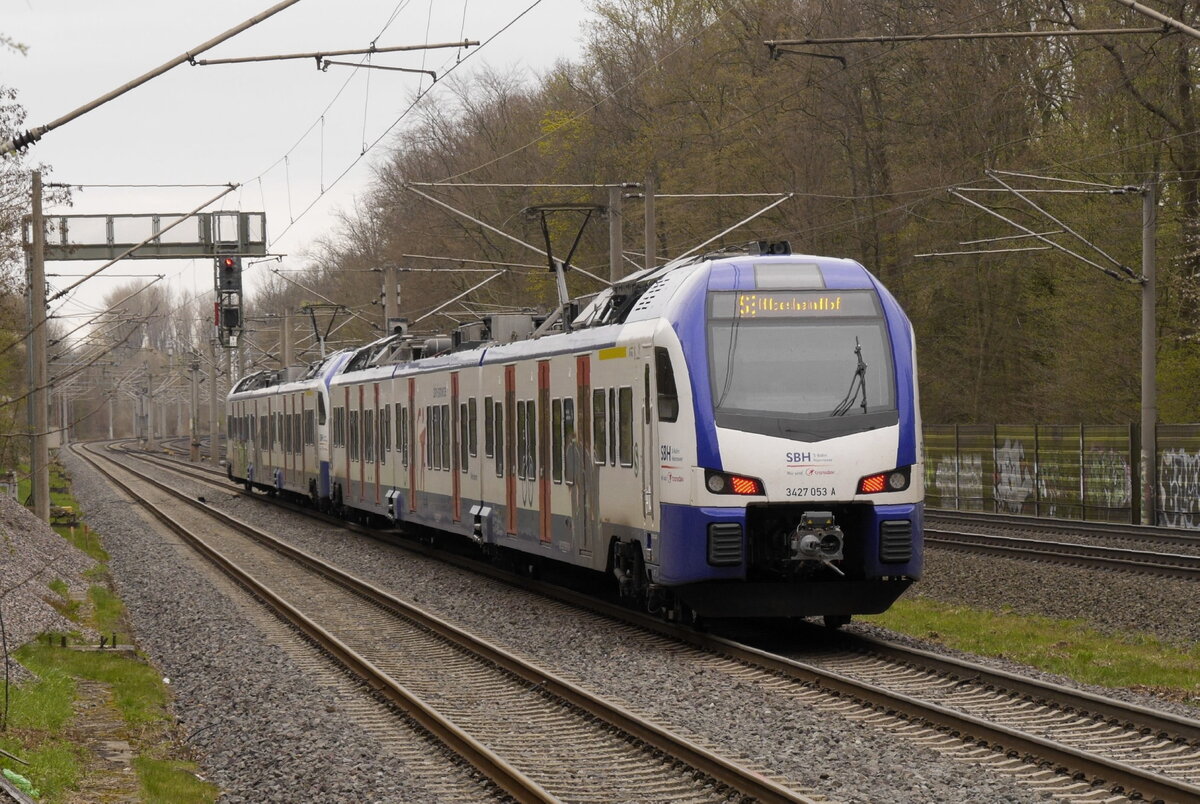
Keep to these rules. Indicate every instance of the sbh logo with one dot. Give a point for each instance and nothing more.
(799, 457)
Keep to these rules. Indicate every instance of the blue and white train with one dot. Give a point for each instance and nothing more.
(731, 436)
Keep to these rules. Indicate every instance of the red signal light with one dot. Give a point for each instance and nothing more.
(227, 262)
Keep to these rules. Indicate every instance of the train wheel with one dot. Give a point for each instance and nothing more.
(836, 620)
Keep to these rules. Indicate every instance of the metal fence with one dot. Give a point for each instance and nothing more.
(1069, 471)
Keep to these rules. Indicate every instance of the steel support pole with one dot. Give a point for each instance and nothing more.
(391, 298)
(214, 393)
(616, 235)
(1149, 458)
(40, 380)
(285, 339)
(151, 440)
(651, 235)
(194, 419)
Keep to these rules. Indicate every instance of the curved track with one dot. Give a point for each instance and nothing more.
(1009, 722)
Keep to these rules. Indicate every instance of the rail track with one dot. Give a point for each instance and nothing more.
(537, 736)
(1088, 532)
(1067, 743)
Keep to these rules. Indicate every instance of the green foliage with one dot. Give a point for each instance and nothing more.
(1066, 647)
(174, 781)
(108, 611)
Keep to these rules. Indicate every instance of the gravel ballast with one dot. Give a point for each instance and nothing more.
(32, 556)
(177, 619)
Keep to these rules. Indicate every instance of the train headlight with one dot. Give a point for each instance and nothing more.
(895, 480)
(725, 483)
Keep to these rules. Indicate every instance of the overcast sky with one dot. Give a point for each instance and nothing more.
(237, 123)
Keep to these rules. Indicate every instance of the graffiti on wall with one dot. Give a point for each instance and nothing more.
(1014, 481)
(1109, 478)
(959, 476)
(1179, 488)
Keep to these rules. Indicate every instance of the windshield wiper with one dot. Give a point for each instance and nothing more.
(858, 385)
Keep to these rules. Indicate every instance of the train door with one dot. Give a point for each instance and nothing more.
(510, 448)
(456, 449)
(581, 466)
(543, 450)
(648, 440)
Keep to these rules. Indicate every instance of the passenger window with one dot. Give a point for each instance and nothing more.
(556, 447)
(463, 438)
(489, 427)
(612, 427)
(472, 428)
(446, 438)
(625, 415)
(599, 427)
(499, 421)
(522, 443)
(569, 439)
(433, 457)
(664, 376)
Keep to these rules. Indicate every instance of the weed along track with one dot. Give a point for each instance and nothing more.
(538, 738)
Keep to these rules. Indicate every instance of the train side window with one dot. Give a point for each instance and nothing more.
(446, 438)
(433, 437)
(612, 427)
(568, 438)
(556, 440)
(400, 429)
(369, 436)
(489, 427)
(353, 441)
(499, 445)
(321, 410)
(664, 376)
(522, 443)
(599, 427)
(262, 432)
(464, 441)
(286, 433)
(385, 433)
(384, 430)
(625, 416)
(473, 426)
(403, 417)
(532, 423)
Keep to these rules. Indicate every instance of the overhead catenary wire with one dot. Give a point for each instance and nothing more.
(33, 135)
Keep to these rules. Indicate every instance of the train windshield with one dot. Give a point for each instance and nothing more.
(805, 364)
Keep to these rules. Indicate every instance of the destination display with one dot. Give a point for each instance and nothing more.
(793, 304)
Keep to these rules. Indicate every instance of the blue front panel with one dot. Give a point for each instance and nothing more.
(683, 543)
(693, 341)
(900, 332)
(913, 512)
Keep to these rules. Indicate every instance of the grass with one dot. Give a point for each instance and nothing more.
(41, 715)
(1067, 647)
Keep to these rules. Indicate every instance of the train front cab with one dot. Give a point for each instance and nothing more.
(788, 490)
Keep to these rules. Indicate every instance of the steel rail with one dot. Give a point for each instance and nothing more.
(1123, 776)
(746, 781)
(1166, 564)
(1163, 724)
(1131, 532)
(508, 778)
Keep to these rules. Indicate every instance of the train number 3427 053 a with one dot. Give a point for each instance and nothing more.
(816, 491)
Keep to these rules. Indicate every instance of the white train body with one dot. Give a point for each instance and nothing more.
(741, 435)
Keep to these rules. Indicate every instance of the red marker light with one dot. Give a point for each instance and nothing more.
(872, 484)
(744, 485)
